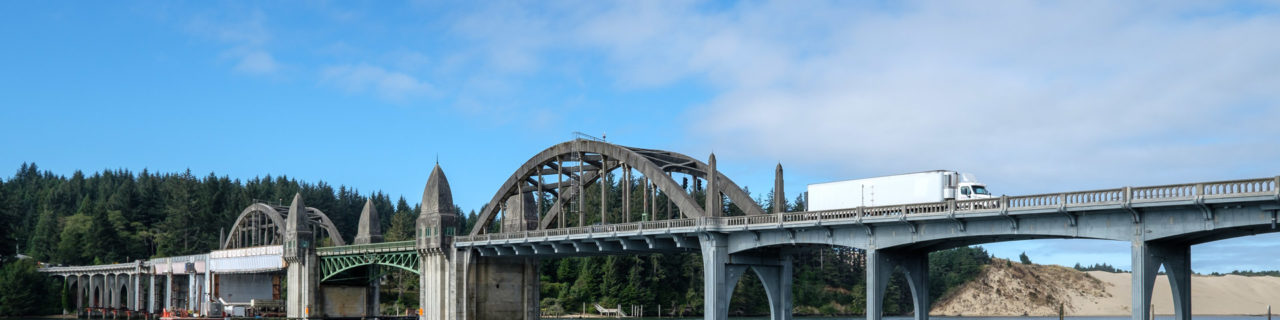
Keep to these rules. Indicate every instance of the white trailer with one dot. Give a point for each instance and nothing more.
(920, 187)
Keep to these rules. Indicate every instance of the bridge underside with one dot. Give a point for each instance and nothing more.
(1161, 233)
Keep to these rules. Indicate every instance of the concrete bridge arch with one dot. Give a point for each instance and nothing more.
(596, 158)
(261, 224)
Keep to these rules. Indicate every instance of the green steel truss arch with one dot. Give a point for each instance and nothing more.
(338, 259)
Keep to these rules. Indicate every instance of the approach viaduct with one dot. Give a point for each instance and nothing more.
(492, 274)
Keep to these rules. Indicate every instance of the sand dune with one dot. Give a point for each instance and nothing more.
(1210, 295)
(1013, 289)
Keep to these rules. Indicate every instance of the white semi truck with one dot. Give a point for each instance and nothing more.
(920, 187)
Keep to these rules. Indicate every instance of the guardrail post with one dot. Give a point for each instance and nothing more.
(903, 218)
(1128, 205)
(1199, 189)
(951, 213)
(1004, 211)
(1275, 187)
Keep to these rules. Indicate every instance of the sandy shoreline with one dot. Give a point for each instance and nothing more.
(1013, 289)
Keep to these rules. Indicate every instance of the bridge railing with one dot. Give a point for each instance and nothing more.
(621, 227)
(979, 204)
(1101, 197)
(1093, 197)
(1236, 187)
(1032, 201)
(1165, 192)
(366, 248)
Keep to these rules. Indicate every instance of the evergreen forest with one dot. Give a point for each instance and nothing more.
(115, 216)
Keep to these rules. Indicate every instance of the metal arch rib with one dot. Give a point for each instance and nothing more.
(327, 225)
(275, 216)
(736, 195)
(677, 162)
(654, 164)
(641, 163)
(277, 219)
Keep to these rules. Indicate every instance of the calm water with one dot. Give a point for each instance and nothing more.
(970, 318)
(905, 318)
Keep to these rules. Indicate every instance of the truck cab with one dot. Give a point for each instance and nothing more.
(968, 188)
(973, 191)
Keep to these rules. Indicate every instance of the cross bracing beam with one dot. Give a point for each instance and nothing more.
(557, 208)
(570, 170)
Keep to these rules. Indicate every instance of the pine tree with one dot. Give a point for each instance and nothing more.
(45, 238)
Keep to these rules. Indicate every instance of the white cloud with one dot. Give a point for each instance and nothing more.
(1064, 92)
(257, 62)
(1035, 95)
(389, 85)
(246, 36)
(1032, 96)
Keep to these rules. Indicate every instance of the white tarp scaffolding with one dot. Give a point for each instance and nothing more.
(247, 260)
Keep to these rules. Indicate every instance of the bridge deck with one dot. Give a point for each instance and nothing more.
(1079, 202)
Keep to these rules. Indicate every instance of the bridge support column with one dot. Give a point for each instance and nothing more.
(79, 293)
(151, 293)
(777, 286)
(136, 292)
(433, 283)
(303, 288)
(168, 288)
(372, 294)
(718, 276)
(505, 289)
(880, 264)
(110, 281)
(191, 289)
(1147, 259)
(460, 305)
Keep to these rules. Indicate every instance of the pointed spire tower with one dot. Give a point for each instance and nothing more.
(715, 204)
(370, 230)
(300, 255)
(438, 222)
(297, 231)
(779, 197)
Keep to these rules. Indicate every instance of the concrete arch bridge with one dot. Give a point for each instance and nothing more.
(540, 211)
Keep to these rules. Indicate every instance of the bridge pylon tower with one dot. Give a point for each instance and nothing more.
(436, 225)
(300, 255)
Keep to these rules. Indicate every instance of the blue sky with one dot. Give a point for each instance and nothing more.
(1030, 96)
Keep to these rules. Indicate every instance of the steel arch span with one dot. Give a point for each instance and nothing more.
(597, 156)
(331, 266)
(261, 224)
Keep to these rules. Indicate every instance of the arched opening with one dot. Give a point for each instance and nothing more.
(124, 298)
